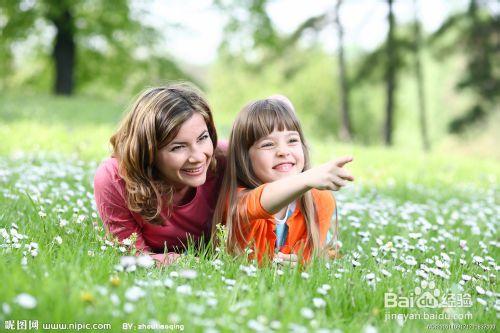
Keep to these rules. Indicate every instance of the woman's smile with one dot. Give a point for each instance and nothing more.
(195, 171)
(185, 160)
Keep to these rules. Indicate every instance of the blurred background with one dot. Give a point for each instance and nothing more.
(417, 76)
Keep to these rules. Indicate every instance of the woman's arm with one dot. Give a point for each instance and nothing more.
(118, 219)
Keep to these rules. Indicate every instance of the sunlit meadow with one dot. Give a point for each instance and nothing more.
(411, 224)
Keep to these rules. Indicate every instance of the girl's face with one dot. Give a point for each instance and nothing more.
(184, 161)
(277, 156)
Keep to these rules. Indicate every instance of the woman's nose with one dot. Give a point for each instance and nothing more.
(196, 155)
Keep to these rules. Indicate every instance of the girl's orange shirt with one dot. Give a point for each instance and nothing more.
(258, 225)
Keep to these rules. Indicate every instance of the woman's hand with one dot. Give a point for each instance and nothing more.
(286, 259)
(329, 176)
(166, 259)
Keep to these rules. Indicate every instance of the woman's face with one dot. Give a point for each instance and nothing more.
(184, 161)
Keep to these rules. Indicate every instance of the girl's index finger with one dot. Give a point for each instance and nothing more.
(341, 161)
(345, 174)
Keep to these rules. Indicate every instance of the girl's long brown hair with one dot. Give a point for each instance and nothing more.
(153, 121)
(256, 120)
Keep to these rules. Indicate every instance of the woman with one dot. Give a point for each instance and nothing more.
(164, 176)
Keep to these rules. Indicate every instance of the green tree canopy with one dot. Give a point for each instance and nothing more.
(474, 32)
(113, 48)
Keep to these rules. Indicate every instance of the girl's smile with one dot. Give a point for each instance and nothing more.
(277, 155)
(284, 167)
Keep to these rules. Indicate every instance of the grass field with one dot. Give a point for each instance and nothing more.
(417, 227)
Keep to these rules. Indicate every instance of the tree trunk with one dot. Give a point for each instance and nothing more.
(64, 52)
(420, 82)
(345, 129)
(390, 79)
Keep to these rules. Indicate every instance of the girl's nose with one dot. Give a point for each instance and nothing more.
(283, 151)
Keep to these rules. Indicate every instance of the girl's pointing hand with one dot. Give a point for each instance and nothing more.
(331, 175)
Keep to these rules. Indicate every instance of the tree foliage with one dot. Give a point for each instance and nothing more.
(114, 50)
(475, 33)
(250, 33)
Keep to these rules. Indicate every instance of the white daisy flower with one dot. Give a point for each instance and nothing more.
(169, 283)
(127, 261)
(477, 260)
(319, 302)
(184, 289)
(370, 329)
(128, 307)
(114, 299)
(212, 302)
(481, 301)
(127, 242)
(275, 325)
(307, 313)
(385, 272)
(256, 326)
(466, 277)
(410, 261)
(145, 261)
(58, 240)
(134, 293)
(229, 282)
(6, 308)
(188, 274)
(480, 290)
(445, 257)
(439, 263)
(26, 301)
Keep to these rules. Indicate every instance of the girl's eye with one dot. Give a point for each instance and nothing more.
(266, 145)
(294, 140)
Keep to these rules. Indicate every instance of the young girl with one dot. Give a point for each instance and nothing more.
(271, 201)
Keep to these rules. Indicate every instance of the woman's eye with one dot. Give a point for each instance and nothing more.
(175, 148)
(204, 137)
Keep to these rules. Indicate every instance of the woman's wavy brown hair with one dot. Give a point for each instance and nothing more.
(153, 121)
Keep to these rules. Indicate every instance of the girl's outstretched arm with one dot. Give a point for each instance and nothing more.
(329, 176)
